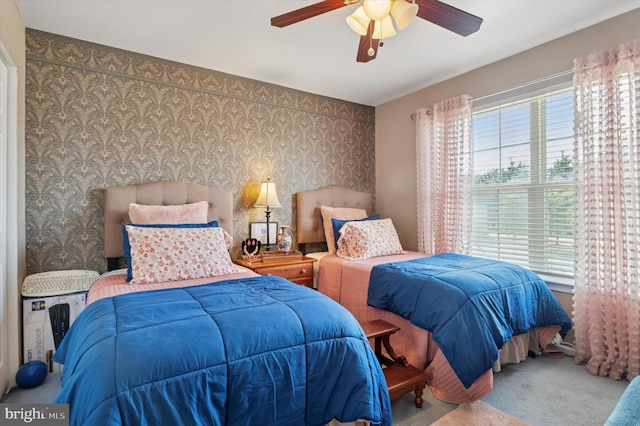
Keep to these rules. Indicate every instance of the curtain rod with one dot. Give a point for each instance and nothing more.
(511, 89)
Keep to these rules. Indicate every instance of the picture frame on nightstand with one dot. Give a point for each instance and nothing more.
(258, 230)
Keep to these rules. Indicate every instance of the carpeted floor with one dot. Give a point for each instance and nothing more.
(40, 394)
(478, 413)
(541, 392)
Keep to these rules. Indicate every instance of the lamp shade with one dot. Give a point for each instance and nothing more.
(403, 13)
(359, 21)
(383, 28)
(376, 9)
(268, 196)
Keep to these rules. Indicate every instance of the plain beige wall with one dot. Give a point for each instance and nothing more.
(395, 131)
(12, 36)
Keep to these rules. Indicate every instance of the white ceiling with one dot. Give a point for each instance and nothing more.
(317, 55)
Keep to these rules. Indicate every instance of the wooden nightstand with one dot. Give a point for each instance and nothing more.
(299, 271)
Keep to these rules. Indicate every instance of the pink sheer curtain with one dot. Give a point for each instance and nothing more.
(607, 211)
(445, 176)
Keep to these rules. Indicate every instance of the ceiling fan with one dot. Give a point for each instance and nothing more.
(373, 21)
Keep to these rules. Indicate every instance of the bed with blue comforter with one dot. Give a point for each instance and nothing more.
(254, 351)
(472, 306)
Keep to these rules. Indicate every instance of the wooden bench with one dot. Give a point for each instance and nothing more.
(401, 377)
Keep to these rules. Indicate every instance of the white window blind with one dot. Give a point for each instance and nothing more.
(523, 182)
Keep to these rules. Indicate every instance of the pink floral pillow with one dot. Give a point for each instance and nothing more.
(343, 213)
(366, 239)
(173, 254)
(178, 214)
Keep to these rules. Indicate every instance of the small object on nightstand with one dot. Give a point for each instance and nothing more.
(284, 240)
(251, 249)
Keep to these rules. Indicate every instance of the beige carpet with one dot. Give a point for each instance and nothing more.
(478, 413)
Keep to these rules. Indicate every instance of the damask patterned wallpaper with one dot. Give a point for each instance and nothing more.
(99, 116)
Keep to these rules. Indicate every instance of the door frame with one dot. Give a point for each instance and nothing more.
(10, 326)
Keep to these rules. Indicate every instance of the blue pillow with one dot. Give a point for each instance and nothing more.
(126, 246)
(337, 224)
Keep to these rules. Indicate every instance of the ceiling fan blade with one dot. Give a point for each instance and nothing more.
(306, 12)
(366, 43)
(448, 17)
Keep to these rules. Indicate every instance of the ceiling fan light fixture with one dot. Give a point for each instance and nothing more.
(359, 21)
(376, 19)
(403, 13)
(383, 28)
(376, 9)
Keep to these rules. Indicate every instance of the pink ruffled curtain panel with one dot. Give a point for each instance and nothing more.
(445, 176)
(607, 211)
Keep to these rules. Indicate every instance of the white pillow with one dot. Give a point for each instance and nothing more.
(181, 213)
(369, 238)
(342, 213)
(173, 254)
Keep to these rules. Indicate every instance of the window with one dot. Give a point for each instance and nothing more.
(523, 183)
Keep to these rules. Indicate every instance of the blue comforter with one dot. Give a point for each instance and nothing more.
(472, 306)
(258, 351)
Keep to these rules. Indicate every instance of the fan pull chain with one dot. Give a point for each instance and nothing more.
(371, 52)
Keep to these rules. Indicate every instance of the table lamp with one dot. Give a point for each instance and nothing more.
(268, 199)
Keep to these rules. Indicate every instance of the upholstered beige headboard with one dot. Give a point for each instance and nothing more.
(309, 219)
(118, 198)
